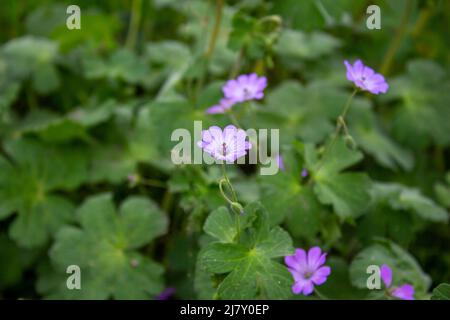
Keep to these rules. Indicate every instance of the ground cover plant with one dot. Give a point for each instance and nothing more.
(97, 200)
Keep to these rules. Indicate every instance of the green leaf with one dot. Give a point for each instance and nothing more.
(286, 198)
(246, 36)
(424, 95)
(122, 65)
(52, 127)
(427, 209)
(347, 192)
(443, 192)
(46, 78)
(310, 14)
(299, 45)
(202, 282)
(370, 136)
(338, 284)
(115, 161)
(11, 267)
(33, 57)
(405, 268)
(289, 198)
(33, 226)
(142, 221)
(399, 197)
(251, 271)
(103, 31)
(221, 225)
(8, 92)
(441, 292)
(223, 257)
(307, 112)
(257, 277)
(105, 248)
(27, 187)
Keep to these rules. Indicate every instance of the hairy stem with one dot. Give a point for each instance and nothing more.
(233, 119)
(320, 295)
(396, 41)
(215, 31)
(237, 64)
(152, 183)
(339, 126)
(235, 205)
(133, 28)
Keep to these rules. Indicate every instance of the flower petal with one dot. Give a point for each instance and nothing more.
(292, 262)
(320, 275)
(404, 292)
(308, 287)
(386, 275)
(215, 109)
(314, 255)
(350, 75)
(297, 287)
(358, 68)
(301, 257)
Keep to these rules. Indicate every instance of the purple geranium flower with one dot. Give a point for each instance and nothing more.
(223, 106)
(245, 87)
(229, 144)
(166, 294)
(365, 78)
(307, 269)
(404, 292)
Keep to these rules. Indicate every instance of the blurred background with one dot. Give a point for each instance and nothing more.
(89, 111)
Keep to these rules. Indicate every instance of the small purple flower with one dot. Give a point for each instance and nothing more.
(166, 294)
(280, 163)
(307, 269)
(223, 106)
(304, 173)
(404, 292)
(365, 78)
(229, 144)
(245, 87)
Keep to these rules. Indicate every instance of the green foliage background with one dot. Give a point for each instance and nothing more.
(85, 171)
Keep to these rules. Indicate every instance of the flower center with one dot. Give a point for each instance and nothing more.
(224, 148)
(247, 93)
(307, 275)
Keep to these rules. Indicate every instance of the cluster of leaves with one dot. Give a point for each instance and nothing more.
(86, 178)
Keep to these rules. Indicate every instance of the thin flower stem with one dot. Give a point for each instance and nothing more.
(235, 205)
(238, 227)
(152, 183)
(222, 190)
(211, 45)
(167, 201)
(135, 20)
(396, 41)
(348, 103)
(339, 125)
(237, 64)
(383, 294)
(216, 28)
(320, 295)
(233, 119)
(233, 193)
